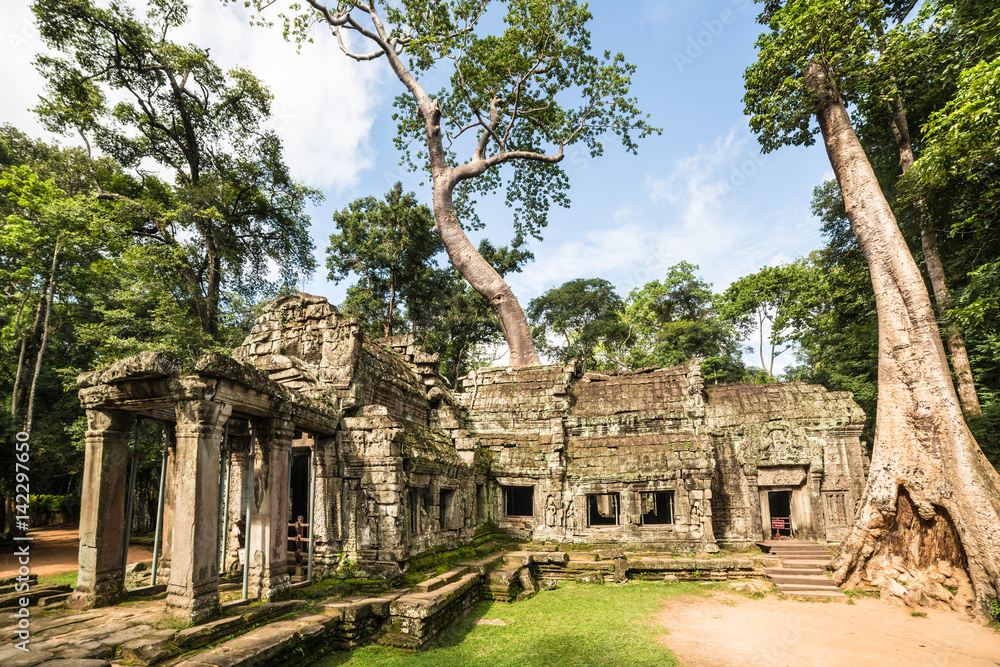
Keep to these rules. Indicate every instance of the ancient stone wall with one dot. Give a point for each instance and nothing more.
(577, 441)
(649, 459)
(784, 437)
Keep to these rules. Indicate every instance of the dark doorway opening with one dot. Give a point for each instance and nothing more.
(519, 500)
(299, 505)
(657, 508)
(780, 505)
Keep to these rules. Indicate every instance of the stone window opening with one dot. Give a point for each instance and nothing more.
(603, 509)
(415, 511)
(656, 508)
(446, 507)
(519, 500)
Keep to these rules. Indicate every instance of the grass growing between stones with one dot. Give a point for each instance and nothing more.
(59, 578)
(575, 625)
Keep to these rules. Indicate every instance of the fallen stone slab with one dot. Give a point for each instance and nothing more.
(15, 657)
(206, 633)
(150, 649)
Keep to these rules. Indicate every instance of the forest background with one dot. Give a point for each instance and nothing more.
(132, 241)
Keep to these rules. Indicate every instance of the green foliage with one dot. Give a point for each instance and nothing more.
(513, 93)
(234, 208)
(389, 246)
(578, 319)
(775, 299)
(838, 35)
(673, 321)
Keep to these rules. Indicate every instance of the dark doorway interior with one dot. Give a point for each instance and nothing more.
(299, 505)
(780, 505)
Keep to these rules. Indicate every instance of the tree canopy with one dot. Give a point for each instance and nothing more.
(516, 98)
(233, 208)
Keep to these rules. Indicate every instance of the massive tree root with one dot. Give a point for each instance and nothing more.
(928, 526)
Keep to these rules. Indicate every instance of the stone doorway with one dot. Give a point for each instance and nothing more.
(779, 504)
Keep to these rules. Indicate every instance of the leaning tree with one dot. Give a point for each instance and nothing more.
(931, 507)
(516, 98)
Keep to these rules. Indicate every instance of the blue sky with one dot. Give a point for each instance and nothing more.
(701, 192)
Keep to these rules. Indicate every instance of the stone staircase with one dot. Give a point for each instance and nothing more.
(803, 569)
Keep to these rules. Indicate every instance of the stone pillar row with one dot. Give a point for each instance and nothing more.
(191, 510)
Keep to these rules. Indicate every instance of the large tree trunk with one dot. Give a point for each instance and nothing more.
(930, 512)
(484, 279)
(935, 269)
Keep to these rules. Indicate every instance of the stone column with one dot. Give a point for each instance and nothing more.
(237, 505)
(163, 570)
(815, 484)
(327, 518)
(101, 579)
(192, 591)
(267, 547)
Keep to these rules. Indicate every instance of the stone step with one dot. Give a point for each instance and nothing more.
(790, 588)
(833, 593)
(798, 551)
(805, 564)
(437, 582)
(780, 579)
(794, 572)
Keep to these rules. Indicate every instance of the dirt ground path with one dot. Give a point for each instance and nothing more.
(728, 630)
(57, 549)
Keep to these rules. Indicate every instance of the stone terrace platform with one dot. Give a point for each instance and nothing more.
(277, 633)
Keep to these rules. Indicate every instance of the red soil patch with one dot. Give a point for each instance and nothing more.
(57, 549)
(731, 631)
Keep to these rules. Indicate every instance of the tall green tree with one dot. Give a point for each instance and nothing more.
(516, 98)
(767, 302)
(390, 247)
(674, 320)
(233, 208)
(931, 495)
(578, 319)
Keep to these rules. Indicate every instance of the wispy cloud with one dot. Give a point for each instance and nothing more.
(707, 209)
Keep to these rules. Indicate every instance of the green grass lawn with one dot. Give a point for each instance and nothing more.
(577, 624)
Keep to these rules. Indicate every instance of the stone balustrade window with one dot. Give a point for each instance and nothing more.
(656, 508)
(415, 511)
(603, 509)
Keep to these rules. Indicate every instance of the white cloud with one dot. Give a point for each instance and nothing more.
(715, 208)
(324, 104)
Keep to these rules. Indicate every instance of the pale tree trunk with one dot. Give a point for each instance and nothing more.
(483, 278)
(930, 512)
(935, 269)
(29, 417)
(21, 356)
(467, 260)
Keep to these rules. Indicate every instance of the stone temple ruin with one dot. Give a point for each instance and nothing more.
(311, 418)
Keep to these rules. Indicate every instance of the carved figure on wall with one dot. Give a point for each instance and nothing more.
(371, 519)
(551, 512)
(570, 515)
